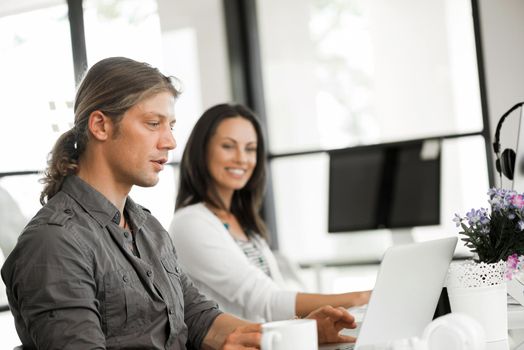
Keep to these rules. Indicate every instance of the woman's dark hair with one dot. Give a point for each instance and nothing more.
(111, 86)
(195, 178)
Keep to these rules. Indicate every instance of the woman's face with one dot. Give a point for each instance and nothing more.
(232, 155)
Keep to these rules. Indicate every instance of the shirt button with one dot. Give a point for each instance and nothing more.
(177, 269)
(125, 278)
(116, 218)
(149, 273)
(68, 211)
(126, 234)
(171, 310)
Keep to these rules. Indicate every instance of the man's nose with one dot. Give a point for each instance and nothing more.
(168, 141)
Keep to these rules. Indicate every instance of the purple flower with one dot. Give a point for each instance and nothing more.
(496, 192)
(457, 219)
(473, 216)
(496, 203)
(484, 216)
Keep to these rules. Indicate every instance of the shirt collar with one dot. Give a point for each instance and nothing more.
(98, 206)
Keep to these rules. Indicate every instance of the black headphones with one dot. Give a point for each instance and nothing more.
(505, 163)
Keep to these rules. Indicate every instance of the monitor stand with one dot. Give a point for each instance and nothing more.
(402, 236)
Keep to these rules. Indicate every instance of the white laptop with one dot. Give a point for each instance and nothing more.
(406, 293)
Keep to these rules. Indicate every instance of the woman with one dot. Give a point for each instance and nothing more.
(219, 234)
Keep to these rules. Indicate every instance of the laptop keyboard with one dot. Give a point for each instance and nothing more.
(344, 347)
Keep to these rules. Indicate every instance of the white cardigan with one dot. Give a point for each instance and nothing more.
(220, 269)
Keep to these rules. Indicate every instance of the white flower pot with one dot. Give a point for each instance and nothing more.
(479, 290)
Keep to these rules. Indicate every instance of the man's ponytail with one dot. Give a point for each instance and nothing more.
(63, 161)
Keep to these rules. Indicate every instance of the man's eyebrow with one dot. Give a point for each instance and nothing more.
(160, 115)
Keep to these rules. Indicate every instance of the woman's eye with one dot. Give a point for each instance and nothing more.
(153, 124)
(251, 149)
(227, 146)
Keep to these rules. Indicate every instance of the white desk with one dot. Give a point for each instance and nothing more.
(498, 345)
(515, 316)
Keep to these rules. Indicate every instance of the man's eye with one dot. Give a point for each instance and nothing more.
(154, 124)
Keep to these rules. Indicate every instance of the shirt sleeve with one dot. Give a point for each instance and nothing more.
(210, 256)
(50, 280)
(199, 312)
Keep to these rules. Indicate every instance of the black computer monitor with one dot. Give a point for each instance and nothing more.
(394, 185)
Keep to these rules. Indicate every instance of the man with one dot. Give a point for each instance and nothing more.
(93, 269)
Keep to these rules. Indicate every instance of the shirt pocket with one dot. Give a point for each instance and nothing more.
(174, 274)
(125, 303)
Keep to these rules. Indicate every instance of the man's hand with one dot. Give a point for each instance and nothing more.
(360, 298)
(330, 321)
(244, 338)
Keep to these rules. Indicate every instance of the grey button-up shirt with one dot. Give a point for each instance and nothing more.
(73, 281)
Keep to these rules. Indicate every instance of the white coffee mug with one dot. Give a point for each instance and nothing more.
(290, 334)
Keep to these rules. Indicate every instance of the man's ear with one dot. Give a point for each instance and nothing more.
(99, 125)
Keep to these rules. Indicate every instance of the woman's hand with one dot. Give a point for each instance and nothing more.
(306, 303)
(244, 338)
(330, 321)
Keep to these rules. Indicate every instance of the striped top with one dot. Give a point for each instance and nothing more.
(253, 251)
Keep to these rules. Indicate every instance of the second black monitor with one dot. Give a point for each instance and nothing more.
(395, 185)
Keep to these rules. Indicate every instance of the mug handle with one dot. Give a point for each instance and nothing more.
(268, 338)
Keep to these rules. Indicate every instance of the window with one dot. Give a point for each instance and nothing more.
(356, 72)
(37, 85)
(359, 71)
(38, 89)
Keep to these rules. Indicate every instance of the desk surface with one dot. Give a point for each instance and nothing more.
(345, 262)
(515, 316)
(498, 345)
